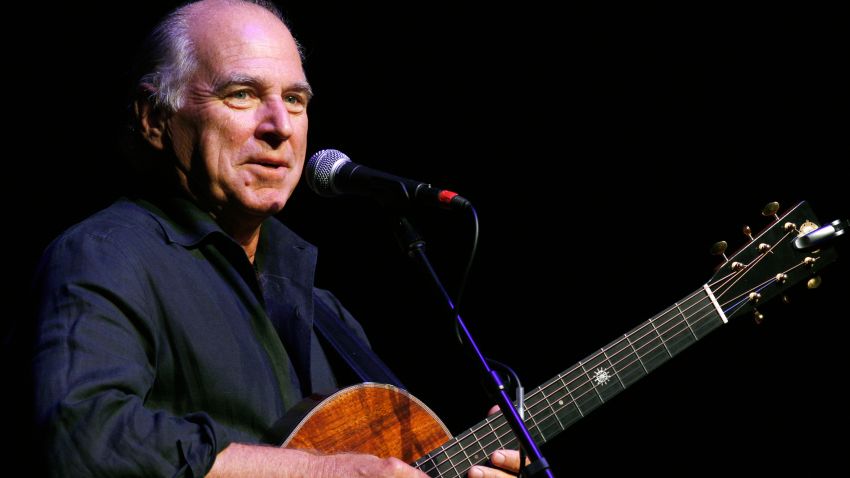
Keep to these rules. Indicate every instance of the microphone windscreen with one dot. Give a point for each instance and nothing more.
(320, 169)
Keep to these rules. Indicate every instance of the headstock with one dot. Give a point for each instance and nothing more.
(769, 264)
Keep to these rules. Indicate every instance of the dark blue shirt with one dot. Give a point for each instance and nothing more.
(159, 342)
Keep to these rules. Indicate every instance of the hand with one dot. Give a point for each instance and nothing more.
(356, 465)
(506, 460)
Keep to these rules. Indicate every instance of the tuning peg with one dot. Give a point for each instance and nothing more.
(748, 232)
(770, 210)
(758, 317)
(719, 249)
(814, 282)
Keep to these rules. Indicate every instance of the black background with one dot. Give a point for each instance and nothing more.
(605, 150)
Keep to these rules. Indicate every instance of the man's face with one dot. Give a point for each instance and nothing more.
(240, 138)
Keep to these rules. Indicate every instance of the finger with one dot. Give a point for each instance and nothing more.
(493, 410)
(507, 459)
(485, 472)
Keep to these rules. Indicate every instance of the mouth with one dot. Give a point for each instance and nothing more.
(271, 163)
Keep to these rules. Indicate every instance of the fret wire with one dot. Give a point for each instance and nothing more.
(685, 319)
(570, 392)
(626, 335)
(660, 338)
(549, 404)
(590, 380)
(616, 371)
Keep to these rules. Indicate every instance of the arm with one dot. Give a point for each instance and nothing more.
(94, 363)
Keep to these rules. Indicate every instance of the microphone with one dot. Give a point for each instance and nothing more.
(330, 173)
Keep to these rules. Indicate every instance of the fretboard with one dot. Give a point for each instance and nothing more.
(574, 393)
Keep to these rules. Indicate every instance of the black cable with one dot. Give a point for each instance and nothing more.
(472, 253)
(464, 279)
(512, 376)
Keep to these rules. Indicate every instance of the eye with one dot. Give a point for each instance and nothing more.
(295, 103)
(240, 99)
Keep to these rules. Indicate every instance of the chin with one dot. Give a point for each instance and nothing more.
(267, 204)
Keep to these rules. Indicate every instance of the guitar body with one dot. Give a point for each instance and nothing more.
(371, 418)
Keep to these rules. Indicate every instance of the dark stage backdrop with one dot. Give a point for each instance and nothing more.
(605, 151)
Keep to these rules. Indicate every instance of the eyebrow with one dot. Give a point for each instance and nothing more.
(239, 79)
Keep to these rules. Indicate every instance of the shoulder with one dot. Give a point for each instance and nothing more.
(124, 219)
(115, 236)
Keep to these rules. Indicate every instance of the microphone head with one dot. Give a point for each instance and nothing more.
(321, 169)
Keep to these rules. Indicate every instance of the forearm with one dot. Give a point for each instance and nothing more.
(238, 460)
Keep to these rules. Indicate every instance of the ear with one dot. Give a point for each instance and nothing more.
(151, 119)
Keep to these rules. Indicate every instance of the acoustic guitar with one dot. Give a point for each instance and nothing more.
(385, 421)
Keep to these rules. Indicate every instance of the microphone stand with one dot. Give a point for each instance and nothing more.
(414, 246)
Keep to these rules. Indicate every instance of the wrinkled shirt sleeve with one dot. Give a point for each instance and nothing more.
(95, 362)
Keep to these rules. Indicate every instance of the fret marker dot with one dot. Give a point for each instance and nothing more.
(561, 403)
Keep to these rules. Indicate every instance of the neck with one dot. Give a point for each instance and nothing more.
(245, 232)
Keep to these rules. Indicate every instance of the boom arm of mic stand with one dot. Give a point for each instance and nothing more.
(414, 246)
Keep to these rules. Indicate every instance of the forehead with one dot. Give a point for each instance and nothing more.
(244, 38)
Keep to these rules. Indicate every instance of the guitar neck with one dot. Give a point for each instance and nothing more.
(574, 393)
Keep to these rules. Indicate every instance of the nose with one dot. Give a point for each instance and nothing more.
(275, 123)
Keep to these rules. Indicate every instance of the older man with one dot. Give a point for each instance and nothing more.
(176, 327)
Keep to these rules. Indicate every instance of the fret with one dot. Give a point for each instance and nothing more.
(648, 346)
(685, 317)
(674, 331)
(538, 405)
(564, 408)
(456, 456)
(472, 448)
(570, 393)
(625, 360)
(613, 371)
(654, 328)
(484, 436)
(592, 382)
(582, 391)
(601, 376)
(426, 465)
(444, 465)
(626, 335)
(495, 435)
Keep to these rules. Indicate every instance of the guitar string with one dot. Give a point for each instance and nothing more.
(495, 431)
(560, 377)
(511, 439)
(726, 280)
(574, 400)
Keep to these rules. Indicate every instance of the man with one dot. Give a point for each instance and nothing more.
(175, 328)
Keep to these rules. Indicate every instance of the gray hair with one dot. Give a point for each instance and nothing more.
(170, 55)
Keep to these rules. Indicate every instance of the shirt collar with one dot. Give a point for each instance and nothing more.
(184, 223)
